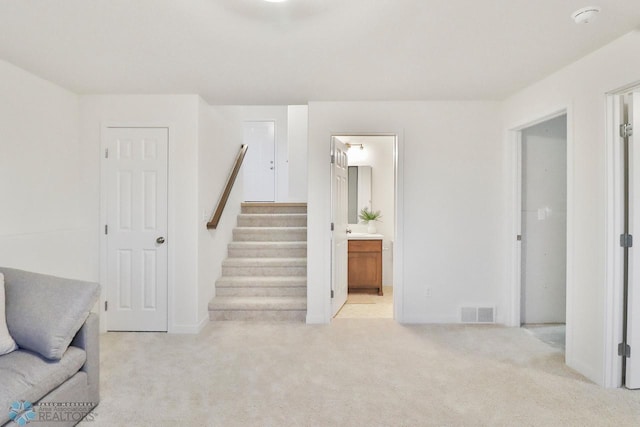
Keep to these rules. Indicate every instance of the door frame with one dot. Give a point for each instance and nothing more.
(514, 209)
(518, 208)
(398, 243)
(104, 126)
(614, 226)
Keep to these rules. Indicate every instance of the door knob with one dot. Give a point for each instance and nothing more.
(160, 240)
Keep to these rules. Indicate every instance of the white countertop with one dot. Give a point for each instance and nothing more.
(364, 236)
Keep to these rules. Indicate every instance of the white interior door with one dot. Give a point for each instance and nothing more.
(259, 163)
(339, 206)
(633, 305)
(136, 230)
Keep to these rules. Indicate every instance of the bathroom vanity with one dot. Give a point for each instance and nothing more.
(365, 262)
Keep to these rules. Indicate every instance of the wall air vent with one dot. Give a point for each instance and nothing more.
(477, 314)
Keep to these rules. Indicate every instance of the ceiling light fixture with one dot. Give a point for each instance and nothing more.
(586, 14)
(275, 1)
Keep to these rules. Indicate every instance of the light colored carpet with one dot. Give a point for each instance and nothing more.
(354, 372)
(368, 306)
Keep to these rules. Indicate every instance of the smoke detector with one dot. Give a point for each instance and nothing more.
(586, 14)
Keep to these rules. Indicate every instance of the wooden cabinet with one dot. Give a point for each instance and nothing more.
(365, 265)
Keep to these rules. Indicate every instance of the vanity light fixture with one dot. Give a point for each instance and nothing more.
(355, 145)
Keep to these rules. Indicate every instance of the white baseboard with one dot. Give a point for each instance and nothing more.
(189, 329)
(316, 320)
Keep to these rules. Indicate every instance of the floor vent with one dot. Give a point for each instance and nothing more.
(477, 315)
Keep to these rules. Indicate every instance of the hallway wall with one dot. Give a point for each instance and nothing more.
(451, 228)
(581, 87)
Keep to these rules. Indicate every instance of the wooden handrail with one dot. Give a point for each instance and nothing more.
(215, 219)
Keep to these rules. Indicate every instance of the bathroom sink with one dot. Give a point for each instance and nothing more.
(364, 236)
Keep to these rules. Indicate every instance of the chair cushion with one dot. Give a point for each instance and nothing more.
(44, 312)
(7, 344)
(25, 375)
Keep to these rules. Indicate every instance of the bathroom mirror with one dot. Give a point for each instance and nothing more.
(359, 191)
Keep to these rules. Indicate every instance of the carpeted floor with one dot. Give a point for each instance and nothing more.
(354, 372)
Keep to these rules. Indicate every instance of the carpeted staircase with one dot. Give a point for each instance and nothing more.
(265, 274)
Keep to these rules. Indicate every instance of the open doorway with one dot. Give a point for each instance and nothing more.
(367, 244)
(543, 225)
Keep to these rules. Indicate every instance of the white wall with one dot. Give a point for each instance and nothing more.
(581, 87)
(180, 114)
(544, 222)
(297, 136)
(219, 144)
(451, 228)
(43, 223)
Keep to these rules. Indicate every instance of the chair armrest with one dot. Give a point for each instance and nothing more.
(88, 339)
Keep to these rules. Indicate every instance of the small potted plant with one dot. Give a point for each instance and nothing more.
(370, 218)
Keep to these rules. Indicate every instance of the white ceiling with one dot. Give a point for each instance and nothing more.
(254, 52)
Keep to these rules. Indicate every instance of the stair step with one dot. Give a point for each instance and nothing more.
(272, 220)
(267, 249)
(260, 291)
(258, 308)
(282, 286)
(264, 267)
(259, 315)
(258, 207)
(265, 274)
(258, 303)
(270, 234)
(265, 282)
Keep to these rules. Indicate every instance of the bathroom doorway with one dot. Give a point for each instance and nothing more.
(543, 235)
(370, 254)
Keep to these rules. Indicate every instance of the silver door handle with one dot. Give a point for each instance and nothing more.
(160, 240)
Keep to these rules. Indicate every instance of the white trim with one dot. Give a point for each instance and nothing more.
(189, 329)
(612, 372)
(398, 244)
(103, 218)
(317, 320)
(428, 318)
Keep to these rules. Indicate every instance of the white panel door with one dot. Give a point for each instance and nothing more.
(339, 207)
(136, 174)
(633, 314)
(259, 163)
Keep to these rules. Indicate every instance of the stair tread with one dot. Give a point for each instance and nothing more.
(263, 278)
(258, 303)
(282, 244)
(278, 215)
(270, 228)
(280, 262)
(274, 204)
